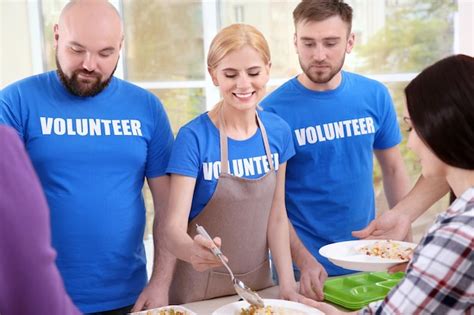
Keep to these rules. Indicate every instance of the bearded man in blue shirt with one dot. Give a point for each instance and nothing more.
(93, 139)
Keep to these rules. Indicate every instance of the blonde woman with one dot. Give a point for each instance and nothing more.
(228, 175)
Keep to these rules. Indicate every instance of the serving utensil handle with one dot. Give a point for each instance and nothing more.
(202, 231)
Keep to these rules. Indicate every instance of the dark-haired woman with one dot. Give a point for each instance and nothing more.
(440, 277)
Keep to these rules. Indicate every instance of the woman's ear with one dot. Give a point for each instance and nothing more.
(269, 66)
(213, 76)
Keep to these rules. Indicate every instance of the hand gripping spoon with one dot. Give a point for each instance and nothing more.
(242, 290)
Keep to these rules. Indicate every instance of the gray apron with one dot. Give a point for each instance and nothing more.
(238, 213)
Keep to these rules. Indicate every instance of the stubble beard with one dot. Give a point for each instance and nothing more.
(321, 77)
(79, 87)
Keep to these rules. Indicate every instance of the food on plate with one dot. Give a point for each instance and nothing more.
(387, 249)
(167, 311)
(268, 310)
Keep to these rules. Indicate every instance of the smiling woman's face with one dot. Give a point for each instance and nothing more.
(241, 77)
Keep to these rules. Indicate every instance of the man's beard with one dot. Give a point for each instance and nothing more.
(323, 77)
(78, 87)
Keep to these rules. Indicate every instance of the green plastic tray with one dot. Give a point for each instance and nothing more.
(357, 290)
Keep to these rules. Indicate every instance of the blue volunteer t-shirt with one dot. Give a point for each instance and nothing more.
(196, 153)
(92, 155)
(329, 186)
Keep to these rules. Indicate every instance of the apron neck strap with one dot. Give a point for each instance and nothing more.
(224, 142)
(266, 143)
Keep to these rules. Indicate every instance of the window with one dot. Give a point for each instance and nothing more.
(50, 11)
(276, 24)
(394, 39)
(181, 105)
(166, 44)
(401, 38)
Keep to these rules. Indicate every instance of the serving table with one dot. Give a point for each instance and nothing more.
(206, 307)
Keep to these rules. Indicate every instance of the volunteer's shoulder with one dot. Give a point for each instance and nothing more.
(196, 125)
(130, 89)
(26, 83)
(366, 82)
(279, 96)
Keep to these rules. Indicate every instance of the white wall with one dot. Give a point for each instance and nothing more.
(464, 37)
(15, 52)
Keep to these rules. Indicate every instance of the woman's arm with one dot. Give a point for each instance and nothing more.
(279, 234)
(175, 225)
(279, 241)
(395, 224)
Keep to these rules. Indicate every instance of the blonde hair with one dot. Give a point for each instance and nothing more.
(234, 37)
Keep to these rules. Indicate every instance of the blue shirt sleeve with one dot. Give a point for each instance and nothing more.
(185, 157)
(161, 143)
(388, 135)
(288, 144)
(10, 111)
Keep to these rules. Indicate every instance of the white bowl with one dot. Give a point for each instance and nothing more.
(156, 311)
(297, 308)
(346, 255)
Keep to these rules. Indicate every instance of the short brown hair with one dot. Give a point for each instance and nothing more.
(319, 10)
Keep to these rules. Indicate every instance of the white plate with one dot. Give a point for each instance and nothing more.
(345, 254)
(298, 308)
(156, 311)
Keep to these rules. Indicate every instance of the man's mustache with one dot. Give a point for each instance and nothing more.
(88, 73)
(319, 64)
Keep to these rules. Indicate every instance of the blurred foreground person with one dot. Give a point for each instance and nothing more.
(29, 280)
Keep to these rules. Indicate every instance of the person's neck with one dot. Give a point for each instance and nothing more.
(320, 87)
(460, 180)
(239, 125)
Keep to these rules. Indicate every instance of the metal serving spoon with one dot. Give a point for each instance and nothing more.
(242, 290)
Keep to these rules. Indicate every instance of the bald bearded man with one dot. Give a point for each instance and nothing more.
(93, 139)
